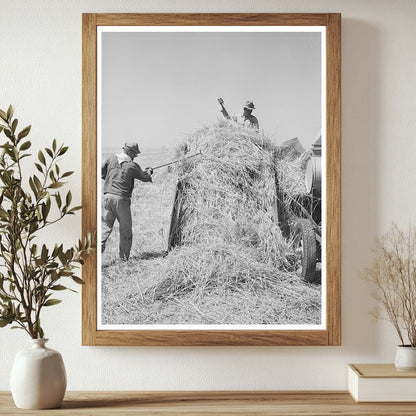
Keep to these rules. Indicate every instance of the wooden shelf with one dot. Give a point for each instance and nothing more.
(318, 403)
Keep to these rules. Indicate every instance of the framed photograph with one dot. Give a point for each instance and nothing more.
(211, 172)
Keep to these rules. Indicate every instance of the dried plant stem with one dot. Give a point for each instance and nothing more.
(393, 275)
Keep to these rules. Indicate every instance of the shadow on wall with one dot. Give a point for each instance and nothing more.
(360, 180)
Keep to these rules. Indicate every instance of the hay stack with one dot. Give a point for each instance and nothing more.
(229, 235)
(230, 192)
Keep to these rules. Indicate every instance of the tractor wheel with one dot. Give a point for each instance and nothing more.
(305, 244)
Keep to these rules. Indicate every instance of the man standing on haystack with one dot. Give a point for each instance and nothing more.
(119, 172)
(246, 119)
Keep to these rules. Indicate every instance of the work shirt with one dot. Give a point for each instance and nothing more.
(248, 121)
(119, 173)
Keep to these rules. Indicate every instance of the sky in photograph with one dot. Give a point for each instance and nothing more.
(159, 87)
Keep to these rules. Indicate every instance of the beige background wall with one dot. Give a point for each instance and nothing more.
(40, 73)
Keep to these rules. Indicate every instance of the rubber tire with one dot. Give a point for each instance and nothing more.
(305, 234)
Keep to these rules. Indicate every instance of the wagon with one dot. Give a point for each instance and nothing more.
(300, 223)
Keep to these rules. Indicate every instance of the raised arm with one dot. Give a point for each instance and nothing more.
(223, 110)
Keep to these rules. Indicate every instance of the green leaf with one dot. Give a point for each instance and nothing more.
(44, 253)
(61, 257)
(5, 321)
(39, 167)
(40, 332)
(41, 157)
(54, 145)
(72, 210)
(56, 185)
(7, 179)
(63, 150)
(37, 182)
(24, 132)
(3, 116)
(45, 211)
(67, 174)
(51, 302)
(14, 125)
(54, 276)
(68, 199)
(8, 133)
(33, 187)
(25, 145)
(54, 251)
(10, 112)
(76, 279)
(59, 287)
(58, 199)
(57, 250)
(49, 152)
(34, 249)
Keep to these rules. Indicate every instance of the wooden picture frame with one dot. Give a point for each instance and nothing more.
(331, 334)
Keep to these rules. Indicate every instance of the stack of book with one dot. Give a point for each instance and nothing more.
(381, 383)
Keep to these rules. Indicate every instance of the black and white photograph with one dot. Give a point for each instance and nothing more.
(211, 155)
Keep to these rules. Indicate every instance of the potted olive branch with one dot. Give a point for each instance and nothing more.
(31, 272)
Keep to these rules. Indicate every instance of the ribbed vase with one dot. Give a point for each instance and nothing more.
(38, 378)
(405, 358)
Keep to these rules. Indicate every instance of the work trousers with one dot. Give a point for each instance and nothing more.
(117, 207)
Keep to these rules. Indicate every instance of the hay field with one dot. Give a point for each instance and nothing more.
(233, 266)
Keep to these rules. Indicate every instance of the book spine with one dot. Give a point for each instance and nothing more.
(353, 381)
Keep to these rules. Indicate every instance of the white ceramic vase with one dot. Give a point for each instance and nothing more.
(38, 378)
(405, 358)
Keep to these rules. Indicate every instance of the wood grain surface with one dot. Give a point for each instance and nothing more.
(380, 371)
(89, 172)
(332, 334)
(212, 403)
(212, 19)
(333, 179)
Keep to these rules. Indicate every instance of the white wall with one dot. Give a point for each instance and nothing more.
(40, 73)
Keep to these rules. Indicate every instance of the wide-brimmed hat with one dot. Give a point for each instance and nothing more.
(132, 146)
(249, 105)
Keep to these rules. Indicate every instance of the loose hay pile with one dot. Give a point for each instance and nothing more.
(231, 244)
(230, 192)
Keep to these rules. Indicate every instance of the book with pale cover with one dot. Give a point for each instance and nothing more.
(381, 383)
